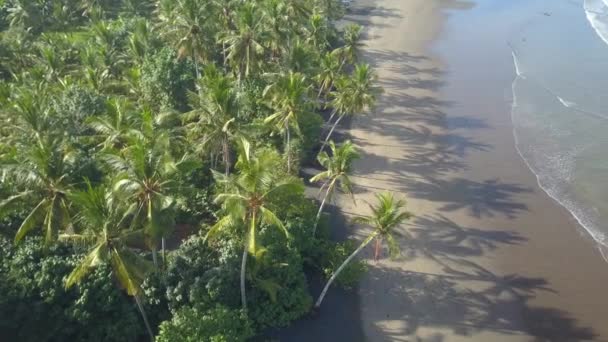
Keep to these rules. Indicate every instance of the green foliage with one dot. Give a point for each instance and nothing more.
(310, 128)
(282, 268)
(74, 106)
(219, 324)
(200, 274)
(335, 254)
(166, 80)
(36, 307)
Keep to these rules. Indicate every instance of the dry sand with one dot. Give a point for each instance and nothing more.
(490, 256)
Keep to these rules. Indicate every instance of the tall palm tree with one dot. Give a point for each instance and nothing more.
(289, 98)
(105, 230)
(386, 216)
(245, 201)
(148, 176)
(215, 108)
(245, 45)
(188, 24)
(43, 174)
(329, 71)
(112, 129)
(353, 95)
(352, 44)
(337, 169)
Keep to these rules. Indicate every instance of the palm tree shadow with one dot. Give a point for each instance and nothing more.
(487, 198)
(440, 301)
(465, 297)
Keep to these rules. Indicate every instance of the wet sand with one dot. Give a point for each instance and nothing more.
(489, 256)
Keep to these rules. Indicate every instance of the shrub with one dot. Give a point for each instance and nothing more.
(165, 81)
(335, 254)
(201, 275)
(219, 324)
(36, 307)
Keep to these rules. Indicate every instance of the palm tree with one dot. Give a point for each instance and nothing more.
(318, 31)
(353, 95)
(187, 23)
(215, 108)
(329, 71)
(246, 200)
(349, 51)
(148, 176)
(104, 226)
(245, 45)
(337, 170)
(113, 128)
(386, 216)
(44, 177)
(289, 98)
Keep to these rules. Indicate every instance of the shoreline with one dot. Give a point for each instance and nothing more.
(489, 255)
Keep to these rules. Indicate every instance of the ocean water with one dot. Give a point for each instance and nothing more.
(560, 107)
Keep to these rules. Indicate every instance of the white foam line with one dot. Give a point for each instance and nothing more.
(598, 238)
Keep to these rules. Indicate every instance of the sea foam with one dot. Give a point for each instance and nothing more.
(597, 14)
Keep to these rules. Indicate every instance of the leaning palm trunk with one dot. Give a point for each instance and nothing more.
(243, 270)
(331, 131)
(344, 264)
(143, 315)
(329, 190)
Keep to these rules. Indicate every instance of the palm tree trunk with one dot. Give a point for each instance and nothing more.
(331, 132)
(337, 272)
(250, 246)
(143, 315)
(154, 258)
(330, 188)
(377, 250)
(162, 248)
(226, 155)
(198, 75)
(288, 148)
(243, 270)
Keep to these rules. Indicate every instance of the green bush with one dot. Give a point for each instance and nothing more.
(219, 324)
(165, 81)
(201, 275)
(279, 290)
(36, 307)
(335, 255)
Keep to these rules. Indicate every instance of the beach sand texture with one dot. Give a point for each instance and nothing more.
(489, 256)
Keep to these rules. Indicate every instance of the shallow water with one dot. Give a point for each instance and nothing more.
(560, 106)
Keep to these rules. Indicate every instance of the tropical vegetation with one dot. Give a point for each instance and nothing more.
(150, 162)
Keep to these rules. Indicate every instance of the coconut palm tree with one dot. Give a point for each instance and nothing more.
(386, 216)
(215, 108)
(289, 98)
(245, 201)
(245, 45)
(337, 169)
(352, 44)
(188, 24)
(353, 95)
(105, 231)
(43, 174)
(112, 129)
(148, 176)
(329, 71)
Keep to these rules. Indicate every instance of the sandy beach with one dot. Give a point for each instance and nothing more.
(489, 256)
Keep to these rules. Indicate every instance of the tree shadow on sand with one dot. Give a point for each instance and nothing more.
(465, 298)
